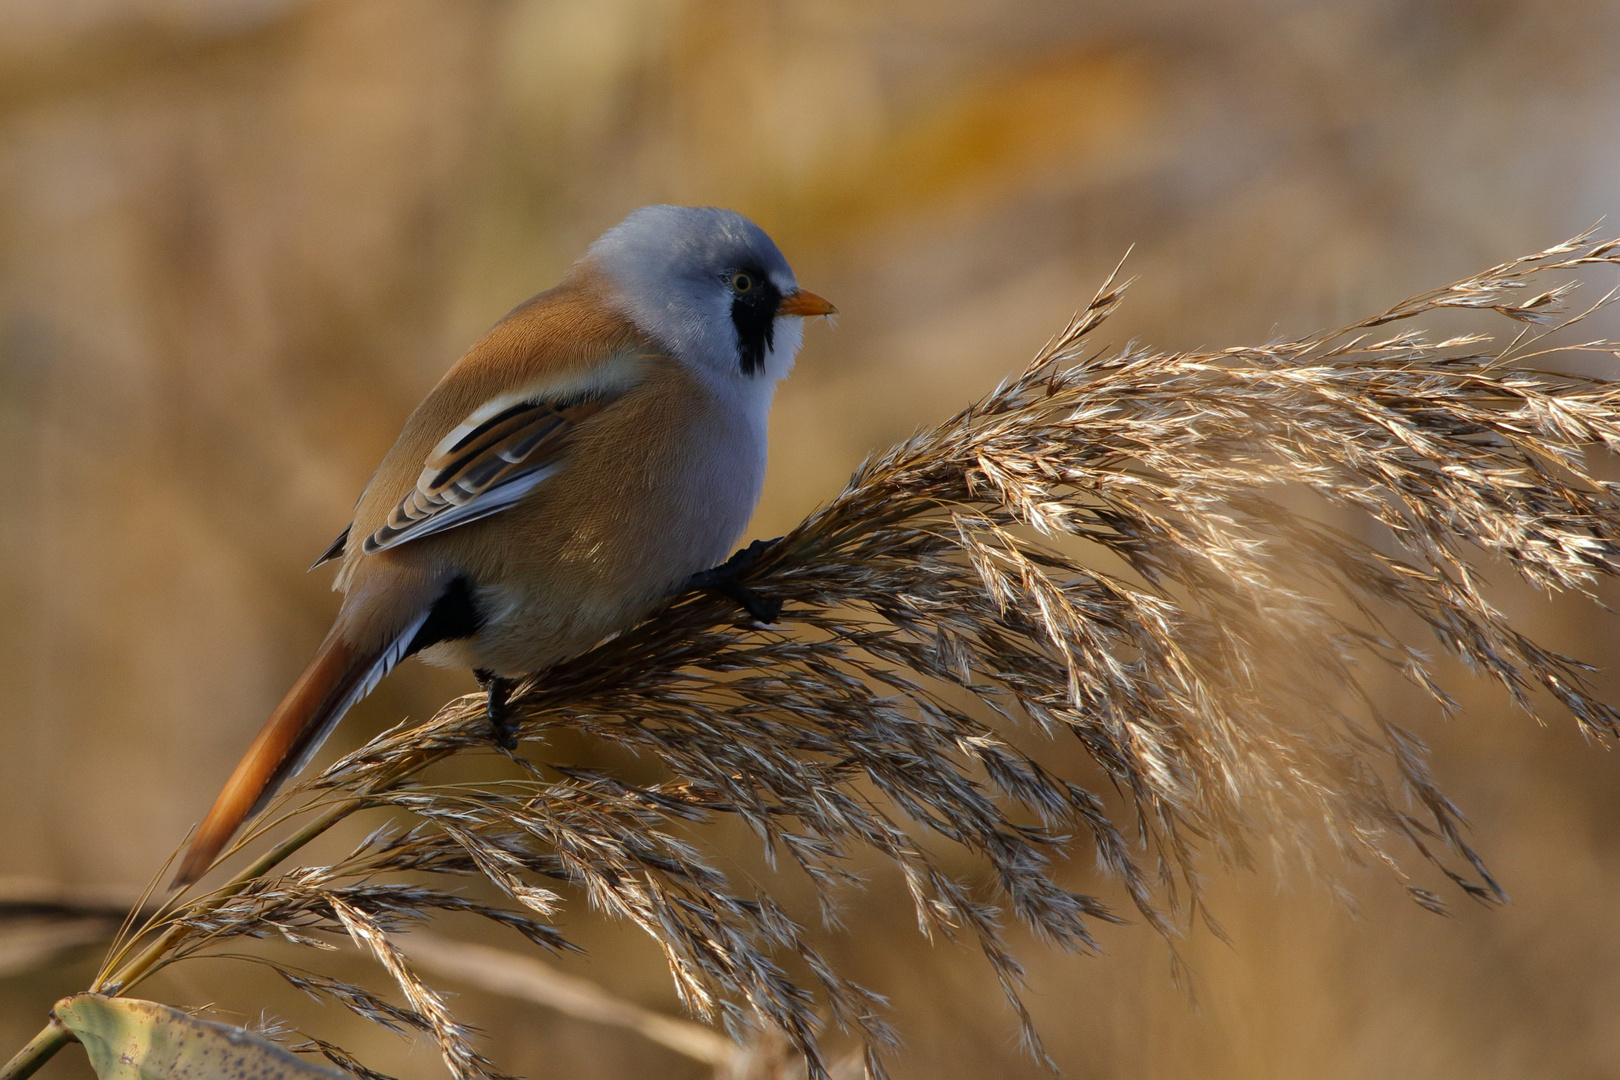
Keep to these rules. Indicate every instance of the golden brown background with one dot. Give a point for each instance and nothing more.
(240, 238)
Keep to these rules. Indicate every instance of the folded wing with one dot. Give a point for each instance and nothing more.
(485, 466)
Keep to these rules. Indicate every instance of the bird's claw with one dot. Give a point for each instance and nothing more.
(723, 580)
(497, 692)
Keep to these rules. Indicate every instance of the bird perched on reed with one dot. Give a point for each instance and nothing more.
(599, 447)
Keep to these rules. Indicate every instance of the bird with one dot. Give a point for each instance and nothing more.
(599, 448)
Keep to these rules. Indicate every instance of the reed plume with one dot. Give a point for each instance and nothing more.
(1197, 565)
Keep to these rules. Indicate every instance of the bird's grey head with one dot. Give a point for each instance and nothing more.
(709, 285)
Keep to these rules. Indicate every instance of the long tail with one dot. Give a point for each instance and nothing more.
(339, 675)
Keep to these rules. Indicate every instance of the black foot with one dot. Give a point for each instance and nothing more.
(496, 691)
(723, 580)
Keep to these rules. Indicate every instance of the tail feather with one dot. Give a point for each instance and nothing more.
(339, 675)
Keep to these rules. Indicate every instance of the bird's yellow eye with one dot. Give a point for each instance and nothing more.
(741, 282)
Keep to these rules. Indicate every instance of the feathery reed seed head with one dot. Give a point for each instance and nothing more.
(1114, 547)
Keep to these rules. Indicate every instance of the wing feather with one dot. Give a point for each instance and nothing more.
(486, 465)
(335, 549)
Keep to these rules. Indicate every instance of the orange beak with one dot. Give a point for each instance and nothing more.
(804, 303)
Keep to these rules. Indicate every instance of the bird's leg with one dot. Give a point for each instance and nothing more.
(496, 691)
(723, 580)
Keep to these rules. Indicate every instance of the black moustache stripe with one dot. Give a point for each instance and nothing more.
(754, 315)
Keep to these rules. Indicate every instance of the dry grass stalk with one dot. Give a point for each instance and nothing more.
(528, 978)
(950, 594)
(39, 920)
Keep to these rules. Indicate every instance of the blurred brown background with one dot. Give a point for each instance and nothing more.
(240, 238)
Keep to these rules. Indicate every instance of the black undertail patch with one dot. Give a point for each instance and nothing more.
(454, 616)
